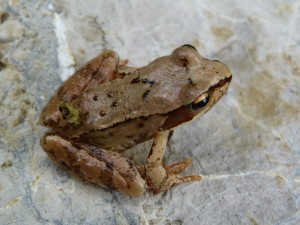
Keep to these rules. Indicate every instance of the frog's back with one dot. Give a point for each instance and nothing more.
(140, 94)
(164, 85)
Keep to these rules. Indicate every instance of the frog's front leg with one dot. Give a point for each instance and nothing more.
(104, 168)
(158, 177)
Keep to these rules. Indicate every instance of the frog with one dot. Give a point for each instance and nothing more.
(107, 107)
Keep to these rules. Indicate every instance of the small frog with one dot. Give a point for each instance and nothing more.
(107, 107)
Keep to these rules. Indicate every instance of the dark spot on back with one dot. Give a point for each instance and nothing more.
(190, 81)
(95, 97)
(151, 82)
(146, 94)
(135, 80)
(102, 113)
(114, 104)
(109, 94)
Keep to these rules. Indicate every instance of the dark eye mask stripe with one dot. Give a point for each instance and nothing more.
(221, 83)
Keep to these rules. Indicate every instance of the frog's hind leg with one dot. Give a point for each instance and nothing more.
(158, 177)
(104, 168)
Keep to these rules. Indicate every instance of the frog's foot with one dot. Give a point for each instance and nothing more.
(171, 179)
(160, 178)
(104, 168)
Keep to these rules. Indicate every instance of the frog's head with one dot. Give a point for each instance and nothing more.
(208, 82)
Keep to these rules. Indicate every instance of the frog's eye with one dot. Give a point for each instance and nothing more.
(200, 102)
(189, 46)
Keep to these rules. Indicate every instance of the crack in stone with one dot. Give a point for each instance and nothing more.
(249, 173)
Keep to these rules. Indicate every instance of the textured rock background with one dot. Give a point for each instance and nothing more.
(247, 147)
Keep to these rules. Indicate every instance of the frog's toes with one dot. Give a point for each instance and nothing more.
(173, 180)
(177, 168)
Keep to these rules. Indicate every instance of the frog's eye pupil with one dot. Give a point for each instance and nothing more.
(200, 102)
(203, 102)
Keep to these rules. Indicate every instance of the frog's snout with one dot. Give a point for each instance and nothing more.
(225, 70)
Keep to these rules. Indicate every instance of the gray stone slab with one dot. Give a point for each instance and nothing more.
(246, 147)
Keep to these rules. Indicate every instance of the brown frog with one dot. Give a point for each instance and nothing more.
(107, 107)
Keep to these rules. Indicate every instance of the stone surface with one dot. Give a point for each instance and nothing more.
(247, 147)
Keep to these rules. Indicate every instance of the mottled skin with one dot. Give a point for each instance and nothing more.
(118, 107)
